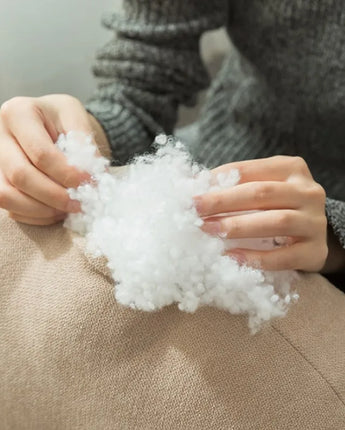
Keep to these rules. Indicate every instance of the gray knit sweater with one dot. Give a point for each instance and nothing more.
(280, 91)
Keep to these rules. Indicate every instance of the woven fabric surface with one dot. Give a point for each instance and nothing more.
(72, 358)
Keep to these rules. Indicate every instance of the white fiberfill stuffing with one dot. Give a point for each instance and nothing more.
(145, 224)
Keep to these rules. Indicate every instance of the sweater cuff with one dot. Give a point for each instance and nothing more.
(335, 211)
(126, 134)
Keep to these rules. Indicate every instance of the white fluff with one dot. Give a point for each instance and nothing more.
(145, 223)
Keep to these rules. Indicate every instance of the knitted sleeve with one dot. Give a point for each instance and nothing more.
(150, 67)
(335, 210)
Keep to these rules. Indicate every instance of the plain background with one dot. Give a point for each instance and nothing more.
(48, 46)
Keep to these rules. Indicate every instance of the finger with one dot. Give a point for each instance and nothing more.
(294, 257)
(27, 126)
(262, 224)
(73, 117)
(13, 200)
(276, 168)
(250, 196)
(25, 177)
(36, 221)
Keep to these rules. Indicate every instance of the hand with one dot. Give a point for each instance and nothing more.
(291, 204)
(34, 174)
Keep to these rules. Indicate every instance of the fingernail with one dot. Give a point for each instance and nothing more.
(239, 257)
(85, 177)
(197, 203)
(212, 227)
(73, 206)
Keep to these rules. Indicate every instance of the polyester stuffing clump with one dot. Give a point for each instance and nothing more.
(144, 222)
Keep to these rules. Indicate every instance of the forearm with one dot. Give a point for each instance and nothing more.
(151, 67)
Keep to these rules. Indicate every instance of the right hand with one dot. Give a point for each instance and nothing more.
(34, 174)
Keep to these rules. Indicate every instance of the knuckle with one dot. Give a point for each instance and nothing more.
(317, 192)
(40, 158)
(262, 193)
(283, 220)
(70, 179)
(233, 228)
(4, 110)
(18, 176)
(299, 165)
(68, 97)
(215, 202)
(13, 105)
(280, 158)
(71, 100)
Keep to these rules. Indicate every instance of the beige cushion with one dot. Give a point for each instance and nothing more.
(72, 358)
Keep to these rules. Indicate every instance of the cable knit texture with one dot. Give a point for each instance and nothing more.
(280, 91)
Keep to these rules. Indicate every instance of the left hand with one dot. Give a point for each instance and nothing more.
(291, 204)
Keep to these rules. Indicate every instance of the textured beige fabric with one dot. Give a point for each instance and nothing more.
(72, 358)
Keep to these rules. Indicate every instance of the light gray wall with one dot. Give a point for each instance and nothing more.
(47, 46)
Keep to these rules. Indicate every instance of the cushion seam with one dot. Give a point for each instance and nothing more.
(309, 362)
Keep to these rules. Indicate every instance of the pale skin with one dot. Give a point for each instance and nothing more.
(291, 204)
(34, 174)
(34, 177)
